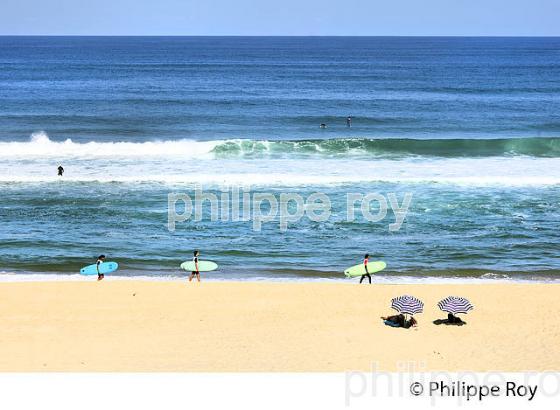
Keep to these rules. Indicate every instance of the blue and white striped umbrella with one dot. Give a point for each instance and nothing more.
(455, 304)
(407, 304)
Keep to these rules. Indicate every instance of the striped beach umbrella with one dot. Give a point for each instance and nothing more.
(407, 304)
(455, 304)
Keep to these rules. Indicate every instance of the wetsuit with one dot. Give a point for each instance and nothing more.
(367, 273)
(195, 260)
(99, 274)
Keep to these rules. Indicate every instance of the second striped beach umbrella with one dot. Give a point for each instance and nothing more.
(455, 304)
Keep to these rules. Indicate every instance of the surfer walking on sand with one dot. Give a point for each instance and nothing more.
(366, 260)
(60, 170)
(100, 260)
(195, 272)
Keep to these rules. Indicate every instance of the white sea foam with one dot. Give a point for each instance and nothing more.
(40, 145)
(195, 162)
(281, 180)
(404, 279)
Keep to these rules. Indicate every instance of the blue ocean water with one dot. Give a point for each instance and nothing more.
(470, 127)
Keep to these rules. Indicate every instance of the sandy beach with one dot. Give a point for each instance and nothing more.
(292, 327)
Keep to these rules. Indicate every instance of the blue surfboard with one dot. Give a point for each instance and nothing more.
(105, 267)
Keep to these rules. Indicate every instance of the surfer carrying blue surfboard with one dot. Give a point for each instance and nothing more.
(100, 260)
(366, 260)
(195, 272)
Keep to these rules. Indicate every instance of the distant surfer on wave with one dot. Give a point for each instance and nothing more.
(60, 170)
(195, 272)
(100, 260)
(349, 121)
(366, 260)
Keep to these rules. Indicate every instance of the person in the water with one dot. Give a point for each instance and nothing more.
(100, 260)
(60, 170)
(366, 260)
(195, 272)
(348, 121)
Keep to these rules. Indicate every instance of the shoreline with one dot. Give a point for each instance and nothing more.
(218, 326)
(376, 280)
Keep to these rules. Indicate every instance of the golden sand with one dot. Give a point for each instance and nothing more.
(235, 326)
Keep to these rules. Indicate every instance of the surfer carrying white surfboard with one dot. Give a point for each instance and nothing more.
(100, 260)
(196, 272)
(366, 260)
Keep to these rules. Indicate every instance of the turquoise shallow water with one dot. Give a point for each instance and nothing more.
(449, 230)
(468, 127)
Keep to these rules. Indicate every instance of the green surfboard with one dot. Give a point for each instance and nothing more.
(203, 266)
(359, 270)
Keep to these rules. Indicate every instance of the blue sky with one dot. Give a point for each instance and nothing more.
(280, 17)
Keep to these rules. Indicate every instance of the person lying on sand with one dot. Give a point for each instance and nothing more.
(399, 321)
(451, 320)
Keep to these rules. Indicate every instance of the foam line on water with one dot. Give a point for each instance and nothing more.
(11, 277)
(282, 180)
(40, 145)
(188, 162)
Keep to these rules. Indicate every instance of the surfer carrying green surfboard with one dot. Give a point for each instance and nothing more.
(366, 260)
(196, 272)
(365, 269)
